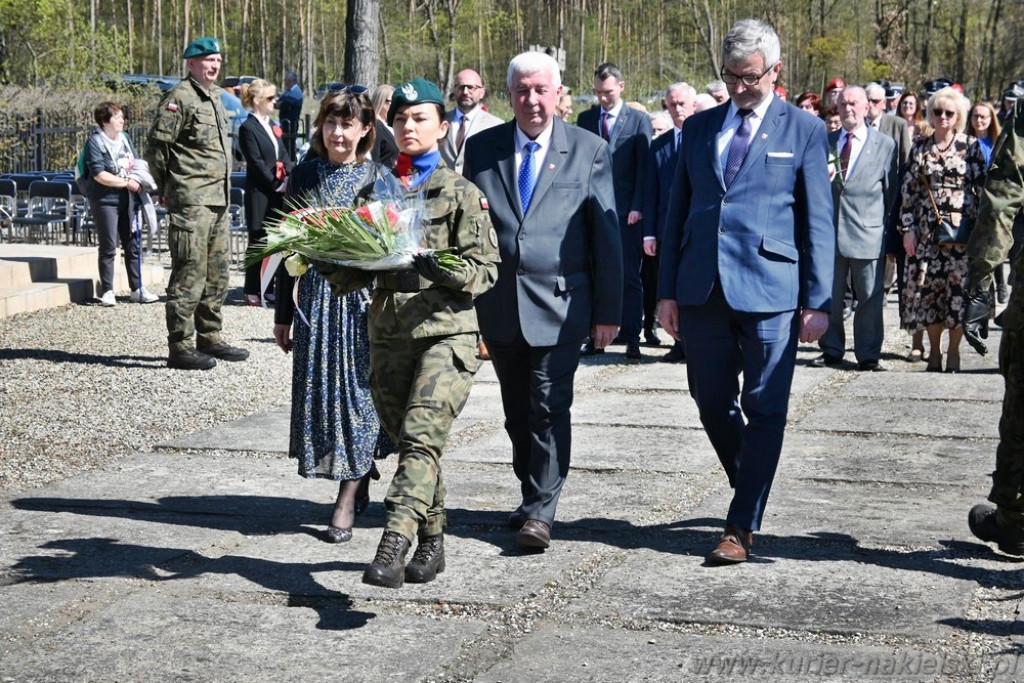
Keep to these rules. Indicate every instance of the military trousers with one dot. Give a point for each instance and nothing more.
(198, 241)
(419, 387)
(1008, 478)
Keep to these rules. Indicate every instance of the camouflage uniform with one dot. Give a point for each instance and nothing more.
(423, 339)
(189, 156)
(990, 242)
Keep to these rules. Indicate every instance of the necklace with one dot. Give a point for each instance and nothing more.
(942, 150)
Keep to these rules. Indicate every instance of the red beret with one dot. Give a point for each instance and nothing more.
(834, 84)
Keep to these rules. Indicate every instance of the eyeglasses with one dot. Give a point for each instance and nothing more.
(271, 98)
(749, 80)
(939, 113)
(341, 87)
(469, 87)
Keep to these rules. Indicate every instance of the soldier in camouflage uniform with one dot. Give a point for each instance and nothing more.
(990, 243)
(189, 155)
(423, 335)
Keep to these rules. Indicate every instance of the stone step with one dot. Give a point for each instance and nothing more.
(35, 276)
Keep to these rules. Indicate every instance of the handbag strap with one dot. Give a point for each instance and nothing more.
(928, 189)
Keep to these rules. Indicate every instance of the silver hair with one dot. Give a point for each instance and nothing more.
(958, 101)
(874, 88)
(660, 116)
(529, 63)
(747, 37)
(681, 86)
(855, 88)
(715, 86)
(703, 101)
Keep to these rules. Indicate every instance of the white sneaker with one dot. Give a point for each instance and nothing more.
(141, 296)
(108, 298)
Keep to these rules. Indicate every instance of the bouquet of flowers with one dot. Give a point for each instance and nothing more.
(835, 167)
(381, 235)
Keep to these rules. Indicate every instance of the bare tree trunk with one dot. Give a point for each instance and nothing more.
(961, 44)
(362, 58)
(704, 22)
(264, 71)
(131, 31)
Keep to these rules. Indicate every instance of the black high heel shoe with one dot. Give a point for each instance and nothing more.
(335, 534)
(934, 363)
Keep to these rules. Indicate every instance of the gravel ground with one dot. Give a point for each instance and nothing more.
(83, 385)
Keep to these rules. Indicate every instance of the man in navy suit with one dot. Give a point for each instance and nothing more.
(661, 168)
(628, 134)
(746, 267)
(549, 190)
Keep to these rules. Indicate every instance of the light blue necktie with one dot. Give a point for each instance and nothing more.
(527, 177)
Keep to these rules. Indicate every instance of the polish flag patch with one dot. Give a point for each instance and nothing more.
(172, 106)
(483, 204)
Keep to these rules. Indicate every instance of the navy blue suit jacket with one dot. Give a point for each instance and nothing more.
(561, 263)
(661, 170)
(769, 238)
(629, 144)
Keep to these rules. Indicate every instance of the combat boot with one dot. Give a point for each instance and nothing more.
(388, 567)
(428, 560)
(991, 526)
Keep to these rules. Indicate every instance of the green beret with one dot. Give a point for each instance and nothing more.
(419, 91)
(200, 47)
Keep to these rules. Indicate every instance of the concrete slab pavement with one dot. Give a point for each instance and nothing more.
(204, 560)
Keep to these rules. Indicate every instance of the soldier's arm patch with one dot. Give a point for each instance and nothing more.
(483, 203)
(493, 234)
(172, 106)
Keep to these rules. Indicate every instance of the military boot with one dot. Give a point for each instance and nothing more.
(999, 527)
(388, 566)
(428, 560)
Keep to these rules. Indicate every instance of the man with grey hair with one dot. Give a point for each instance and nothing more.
(552, 203)
(661, 167)
(718, 91)
(893, 126)
(746, 267)
(863, 190)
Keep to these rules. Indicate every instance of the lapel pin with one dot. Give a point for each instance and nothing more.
(764, 136)
(551, 167)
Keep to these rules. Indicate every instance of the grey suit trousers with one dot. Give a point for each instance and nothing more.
(868, 329)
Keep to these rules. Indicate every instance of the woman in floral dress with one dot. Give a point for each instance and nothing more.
(335, 430)
(950, 164)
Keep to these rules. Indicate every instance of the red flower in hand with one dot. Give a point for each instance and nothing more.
(364, 213)
(277, 130)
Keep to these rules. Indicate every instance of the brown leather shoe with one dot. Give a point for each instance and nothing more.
(534, 534)
(733, 548)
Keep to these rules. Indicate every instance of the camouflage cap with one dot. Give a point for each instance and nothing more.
(420, 91)
(200, 47)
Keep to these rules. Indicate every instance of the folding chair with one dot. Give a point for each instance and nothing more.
(239, 235)
(49, 210)
(8, 207)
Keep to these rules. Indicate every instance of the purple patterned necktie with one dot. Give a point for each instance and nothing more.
(738, 147)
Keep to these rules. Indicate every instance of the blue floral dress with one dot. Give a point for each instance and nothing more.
(335, 431)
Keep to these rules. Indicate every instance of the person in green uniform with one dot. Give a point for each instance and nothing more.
(990, 242)
(189, 155)
(423, 335)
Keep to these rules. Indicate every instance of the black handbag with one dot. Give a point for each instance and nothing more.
(948, 231)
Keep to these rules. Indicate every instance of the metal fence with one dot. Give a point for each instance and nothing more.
(51, 140)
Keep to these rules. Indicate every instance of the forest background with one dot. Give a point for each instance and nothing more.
(60, 44)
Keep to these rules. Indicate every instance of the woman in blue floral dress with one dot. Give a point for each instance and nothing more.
(335, 430)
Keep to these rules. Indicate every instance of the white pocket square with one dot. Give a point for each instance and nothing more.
(781, 155)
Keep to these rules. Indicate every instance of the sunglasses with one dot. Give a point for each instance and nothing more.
(939, 113)
(341, 87)
(875, 101)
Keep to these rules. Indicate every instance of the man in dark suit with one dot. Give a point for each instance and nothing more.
(893, 126)
(628, 134)
(549, 187)
(661, 168)
(746, 267)
(863, 174)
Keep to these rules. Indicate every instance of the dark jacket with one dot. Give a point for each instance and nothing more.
(261, 154)
(97, 160)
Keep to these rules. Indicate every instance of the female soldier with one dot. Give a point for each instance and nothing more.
(423, 335)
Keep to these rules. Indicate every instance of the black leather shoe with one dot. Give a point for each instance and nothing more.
(633, 350)
(651, 338)
(190, 359)
(825, 361)
(618, 340)
(428, 560)
(224, 351)
(676, 355)
(534, 534)
(388, 567)
(589, 349)
(870, 366)
(986, 524)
